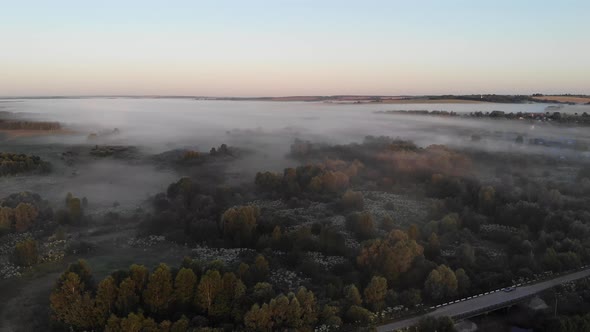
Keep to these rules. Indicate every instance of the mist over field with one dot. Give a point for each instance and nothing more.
(265, 129)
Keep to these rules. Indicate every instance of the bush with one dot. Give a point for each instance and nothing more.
(361, 224)
(359, 315)
(352, 200)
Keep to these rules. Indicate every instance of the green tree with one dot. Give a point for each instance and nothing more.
(262, 292)
(259, 318)
(390, 256)
(358, 315)
(139, 274)
(441, 283)
(466, 255)
(449, 223)
(463, 282)
(260, 270)
(239, 224)
(410, 297)
(433, 246)
(184, 286)
(106, 296)
(352, 295)
(375, 293)
(414, 232)
(279, 311)
(308, 306)
(180, 325)
(231, 293)
(71, 304)
(208, 289)
(158, 293)
(487, 196)
(127, 297)
(330, 316)
(352, 200)
(361, 224)
(133, 323)
(294, 313)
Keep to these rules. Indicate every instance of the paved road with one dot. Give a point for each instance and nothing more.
(484, 301)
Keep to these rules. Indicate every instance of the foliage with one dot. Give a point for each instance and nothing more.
(15, 163)
(390, 256)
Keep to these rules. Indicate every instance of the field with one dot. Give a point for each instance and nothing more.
(565, 99)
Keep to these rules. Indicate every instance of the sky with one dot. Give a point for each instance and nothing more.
(293, 47)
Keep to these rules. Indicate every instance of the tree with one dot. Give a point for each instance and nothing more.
(358, 315)
(75, 208)
(106, 295)
(308, 306)
(449, 223)
(441, 283)
(25, 253)
(361, 224)
(352, 200)
(330, 316)
(486, 199)
(551, 260)
(132, 323)
(180, 325)
(463, 282)
(262, 292)
(410, 297)
(208, 289)
(184, 286)
(268, 181)
(158, 293)
(24, 216)
(260, 270)
(259, 318)
(433, 246)
(375, 293)
(466, 255)
(139, 274)
(82, 269)
(387, 224)
(352, 295)
(390, 256)
(239, 224)
(279, 311)
(71, 304)
(276, 237)
(127, 298)
(232, 291)
(414, 232)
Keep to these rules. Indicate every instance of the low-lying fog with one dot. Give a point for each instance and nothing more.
(266, 129)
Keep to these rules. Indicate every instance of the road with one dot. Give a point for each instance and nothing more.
(484, 301)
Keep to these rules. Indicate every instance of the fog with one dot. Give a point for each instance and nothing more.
(263, 130)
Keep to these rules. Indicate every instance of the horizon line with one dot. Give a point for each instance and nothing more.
(277, 97)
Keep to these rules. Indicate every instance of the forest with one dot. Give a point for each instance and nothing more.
(475, 237)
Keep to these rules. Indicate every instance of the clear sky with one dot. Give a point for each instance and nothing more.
(274, 47)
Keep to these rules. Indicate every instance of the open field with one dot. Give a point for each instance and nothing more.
(18, 133)
(565, 99)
